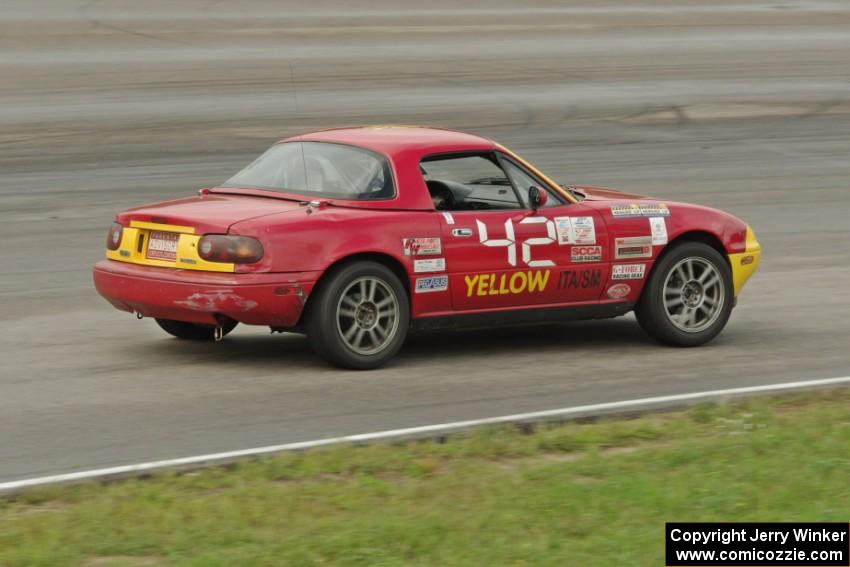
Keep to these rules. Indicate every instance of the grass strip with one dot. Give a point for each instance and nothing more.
(592, 493)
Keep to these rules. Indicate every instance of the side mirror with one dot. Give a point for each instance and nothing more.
(537, 197)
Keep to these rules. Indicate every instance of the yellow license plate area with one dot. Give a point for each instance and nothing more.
(151, 244)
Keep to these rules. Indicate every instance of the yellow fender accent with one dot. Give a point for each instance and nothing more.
(745, 264)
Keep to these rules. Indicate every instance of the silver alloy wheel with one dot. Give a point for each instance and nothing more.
(693, 294)
(367, 315)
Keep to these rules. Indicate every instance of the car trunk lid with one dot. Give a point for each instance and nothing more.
(207, 213)
(167, 234)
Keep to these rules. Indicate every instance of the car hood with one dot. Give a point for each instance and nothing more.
(592, 193)
(208, 213)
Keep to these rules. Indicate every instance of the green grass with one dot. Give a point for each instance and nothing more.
(573, 494)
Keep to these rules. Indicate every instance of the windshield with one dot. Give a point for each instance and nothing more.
(318, 169)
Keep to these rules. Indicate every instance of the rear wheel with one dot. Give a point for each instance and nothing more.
(194, 331)
(688, 298)
(359, 316)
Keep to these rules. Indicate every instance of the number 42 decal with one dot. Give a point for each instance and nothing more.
(510, 240)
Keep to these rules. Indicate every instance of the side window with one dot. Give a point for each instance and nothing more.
(468, 183)
(523, 180)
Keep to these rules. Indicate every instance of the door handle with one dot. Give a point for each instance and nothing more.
(461, 232)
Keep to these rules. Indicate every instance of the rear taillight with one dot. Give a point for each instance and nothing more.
(231, 249)
(113, 239)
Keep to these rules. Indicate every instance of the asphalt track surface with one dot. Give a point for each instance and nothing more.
(104, 105)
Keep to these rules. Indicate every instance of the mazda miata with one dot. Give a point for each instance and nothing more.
(356, 236)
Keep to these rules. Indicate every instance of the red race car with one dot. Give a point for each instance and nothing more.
(357, 235)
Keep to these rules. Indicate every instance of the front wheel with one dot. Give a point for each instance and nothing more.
(194, 331)
(689, 296)
(359, 316)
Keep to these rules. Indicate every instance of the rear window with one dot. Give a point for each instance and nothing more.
(319, 169)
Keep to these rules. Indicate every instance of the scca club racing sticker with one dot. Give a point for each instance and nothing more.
(423, 246)
(530, 281)
(579, 279)
(619, 291)
(626, 210)
(633, 247)
(628, 271)
(433, 283)
(585, 254)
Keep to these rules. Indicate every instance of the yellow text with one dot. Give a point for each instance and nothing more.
(517, 282)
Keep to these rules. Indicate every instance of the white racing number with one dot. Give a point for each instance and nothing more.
(510, 240)
(529, 242)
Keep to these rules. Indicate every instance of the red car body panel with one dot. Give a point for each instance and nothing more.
(276, 300)
(303, 241)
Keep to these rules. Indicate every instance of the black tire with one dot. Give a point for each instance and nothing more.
(194, 331)
(658, 311)
(379, 337)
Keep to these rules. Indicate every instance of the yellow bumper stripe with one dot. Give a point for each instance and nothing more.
(163, 227)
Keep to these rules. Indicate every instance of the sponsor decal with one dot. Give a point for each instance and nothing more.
(658, 229)
(745, 261)
(433, 265)
(426, 246)
(530, 281)
(449, 218)
(633, 247)
(586, 254)
(579, 279)
(575, 230)
(584, 232)
(433, 283)
(626, 210)
(619, 291)
(628, 271)
(654, 210)
(563, 226)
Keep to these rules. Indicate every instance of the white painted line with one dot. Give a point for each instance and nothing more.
(423, 430)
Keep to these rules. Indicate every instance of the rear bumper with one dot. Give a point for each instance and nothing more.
(276, 300)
